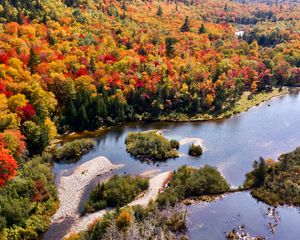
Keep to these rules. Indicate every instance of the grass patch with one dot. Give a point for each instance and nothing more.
(150, 146)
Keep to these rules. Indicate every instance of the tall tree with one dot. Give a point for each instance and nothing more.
(8, 166)
(202, 29)
(159, 11)
(186, 25)
(33, 60)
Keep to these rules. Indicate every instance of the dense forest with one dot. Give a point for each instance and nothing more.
(77, 65)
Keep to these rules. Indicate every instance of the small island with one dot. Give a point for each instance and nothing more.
(117, 192)
(151, 145)
(195, 150)
(276, 183)
(188, 182)
(72, 151)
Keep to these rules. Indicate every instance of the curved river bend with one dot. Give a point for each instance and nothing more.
(231, 145)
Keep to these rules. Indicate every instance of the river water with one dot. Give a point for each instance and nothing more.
(231, 145)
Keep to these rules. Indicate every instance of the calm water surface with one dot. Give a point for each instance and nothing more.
(230, 145)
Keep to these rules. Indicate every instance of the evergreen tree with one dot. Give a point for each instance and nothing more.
(186, 25)
(20, 18)
(33, 61)
(226, 9)
(92, 65)
(124, 6)
(169, 46)
(82, 121)
(159, 11)
(71, 115)
(260, 172)
(202, 29)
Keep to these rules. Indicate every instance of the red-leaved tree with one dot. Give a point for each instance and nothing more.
(26, 112)
(8, 166)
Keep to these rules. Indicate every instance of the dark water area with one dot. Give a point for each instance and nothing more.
(231, 145)
(214, 220)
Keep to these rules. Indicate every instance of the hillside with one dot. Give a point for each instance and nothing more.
(79, 65)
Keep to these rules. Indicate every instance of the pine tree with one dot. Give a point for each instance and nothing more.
(202, 29)
(226, 9)
(124, 6)
(92, 65)
(159, 11)
(71, 115)
(33, 61)
(169, 46)
(82, 121)
(186, 25)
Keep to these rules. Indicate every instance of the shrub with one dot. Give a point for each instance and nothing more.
(73, 150)
(189, 182)
(117, 192)
(174, 144)
(149, 146)
(123, 220)
(195, 150)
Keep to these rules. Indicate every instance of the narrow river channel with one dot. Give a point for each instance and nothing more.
(231, 145)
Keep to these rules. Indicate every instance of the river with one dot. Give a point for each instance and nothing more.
(231, 145)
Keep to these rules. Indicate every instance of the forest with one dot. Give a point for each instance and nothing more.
(75, 65)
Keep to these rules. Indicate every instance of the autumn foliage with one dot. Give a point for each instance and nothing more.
(8, 166)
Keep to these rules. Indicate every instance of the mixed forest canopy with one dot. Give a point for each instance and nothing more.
(77, 65)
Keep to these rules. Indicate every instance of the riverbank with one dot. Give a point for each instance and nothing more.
(242, 105)
(70, 191)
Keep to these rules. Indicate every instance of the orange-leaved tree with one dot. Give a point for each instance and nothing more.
(8, 166)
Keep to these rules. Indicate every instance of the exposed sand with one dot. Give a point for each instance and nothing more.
(71, 188)
(155, 185)
(196, 141)
(70, 192)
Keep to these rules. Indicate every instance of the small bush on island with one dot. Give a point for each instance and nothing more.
(174, 144)
(150, 146)
(117, 192)
(73, 150)
(190, 182)
(276, 183)
(195, 150)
